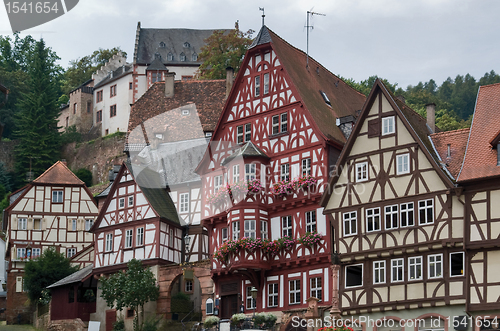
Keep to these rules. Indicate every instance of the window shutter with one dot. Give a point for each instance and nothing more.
(374, 128)
(69, 224)
(19, 284)
(13, 253)
(13, 222)
(30, 223)
(81, 224)
(44, 224)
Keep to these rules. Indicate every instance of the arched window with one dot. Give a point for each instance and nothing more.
(183, 57)
(195, 57)
(170, 57)
(209, 306)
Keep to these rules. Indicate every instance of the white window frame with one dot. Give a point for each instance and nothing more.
(224, 234)
(257, 85)
(264, 230)
(209, 306)
(184, 202)
(371, 217)
(129, 234)
(236, 173)
(266, 83)
(273, 292)
(413, 263)
(350, 220)
(130, 200)
(250, 301)
(287, 226)
(38, 252)
(88, 224)
(240, 136)
(404, 209)
(403, 164)
(311, 225)
(463, 264)
(70, 252)
(235, 230)
(22, 223)
(361, 172)
(285, 172)
(362, 275)
(316, 287)
(250, 229)
(109, 242)
(139, 237)
(391, 215)
(279, 123)
(387, 128)
(217, 183)
(188, 286)
(248, 132)
(250, 171)
(379, 270)
(306, 166)
(121, 203)
(73, 224)
(425, 208)
(57, 196)
(294, 294)
(433, 261)
(21, 253)
(397, 264)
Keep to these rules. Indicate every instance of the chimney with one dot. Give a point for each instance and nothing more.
(63, 161)
(169, 84)
(431, 116)
(229, 80)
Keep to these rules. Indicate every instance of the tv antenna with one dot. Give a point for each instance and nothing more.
(263, 15)
(309, 13)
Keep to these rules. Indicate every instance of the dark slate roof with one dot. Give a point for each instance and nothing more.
(74, 277)
(117, 73)
(156, 65)
(112, 175)
(247, 150)
(174, 41)
(309, 81)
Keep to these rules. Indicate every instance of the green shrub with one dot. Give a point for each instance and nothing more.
(210, 321)
(119, 325)
(85, 175)
(264, 320)
(71, 135)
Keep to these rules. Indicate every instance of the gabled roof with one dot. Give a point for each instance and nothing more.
(156, 65)
(480, 159)
(457, 140)
(247, 150)
(115, 74)
(309, 81)
(414, 123)
(58, 173)
(75, 277)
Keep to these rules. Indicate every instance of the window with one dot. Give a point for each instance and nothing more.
(73, 225)
(407, 214)
(194, 57)
(182, 57)
(155, 77)
(250, 172)
(257, 86)
(272, 290)
(244, 136)
(217, 183)
(112, 91)
(89, 107)
(184, 206)
(311, 221)
(109, 242)
(170, 57)
(306, 167)
(285, 172)
(75, 107)
(457, 264)
(354, 275)
(378, 272)
(236, 230)
(236, 173)
(391, 217)
(264, 233)
(388, 125)
(350, 223)
(70, 252)
(266, 83)
(128, 238)
(21, 253)
(130, 85)
(112, 111)
(98, 116)
(280, 123)
(294, 291)
(209, 306)
(250, 301)
(36, 252)
(106, 132)
(397, 270)
(402, 164)
(188, 286)
(139, 238)
(88, 224)
(22, 224)
(435, 263)
(224, 234)
(361, 171)
(415, 268)
(130, 200)
(99, 96)
(249, 229)
(373, 219)
(57, 196)
(121, 202)
(286, 222)
(316, 288)
(426, 211)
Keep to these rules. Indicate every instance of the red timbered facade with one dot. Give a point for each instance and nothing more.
(263, 176)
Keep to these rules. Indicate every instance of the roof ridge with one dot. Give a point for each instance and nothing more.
(450, 132)
(50, 169)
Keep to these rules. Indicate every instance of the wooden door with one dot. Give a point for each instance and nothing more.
(229, 306)
(110, 319)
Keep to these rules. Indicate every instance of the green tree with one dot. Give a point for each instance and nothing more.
(81, 70)
(85, 175)
(223, 50)
(36, 117)
(132, 288)
(49, 268)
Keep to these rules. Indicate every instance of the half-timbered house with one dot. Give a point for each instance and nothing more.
(398, 221)
(56, 211)
(263, 175)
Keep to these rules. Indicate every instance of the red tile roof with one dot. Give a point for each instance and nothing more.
(58, 173)
(457, 140)
(480, 159)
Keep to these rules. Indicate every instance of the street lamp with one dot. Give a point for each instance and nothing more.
(254, 292)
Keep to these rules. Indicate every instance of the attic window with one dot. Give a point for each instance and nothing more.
(194, 57)
(187, 45)
(183, 57)
(325, 97)
(162, 44)
(157, 56)
(170, 57)
(185, 112)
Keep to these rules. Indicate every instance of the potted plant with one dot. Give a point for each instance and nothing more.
(310, 239)
(210, 322)
(264, 321)
(237, 320)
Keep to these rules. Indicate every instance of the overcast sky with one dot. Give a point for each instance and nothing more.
(401, 40)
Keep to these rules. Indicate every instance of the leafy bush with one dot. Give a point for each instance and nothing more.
(238, 319)
(210, 321)
(151, 324)
(71, 135)
(85, 175)
(264, 320)
(119, 325)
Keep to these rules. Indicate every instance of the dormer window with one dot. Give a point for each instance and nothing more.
(194, 57)
(170, 57)
(183, 57)
(185, 112)
(162, 44)
(186, 45)
(325, 97)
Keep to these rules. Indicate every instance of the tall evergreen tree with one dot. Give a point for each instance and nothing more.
(36, 119)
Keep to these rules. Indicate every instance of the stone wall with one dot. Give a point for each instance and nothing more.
(7, 153)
